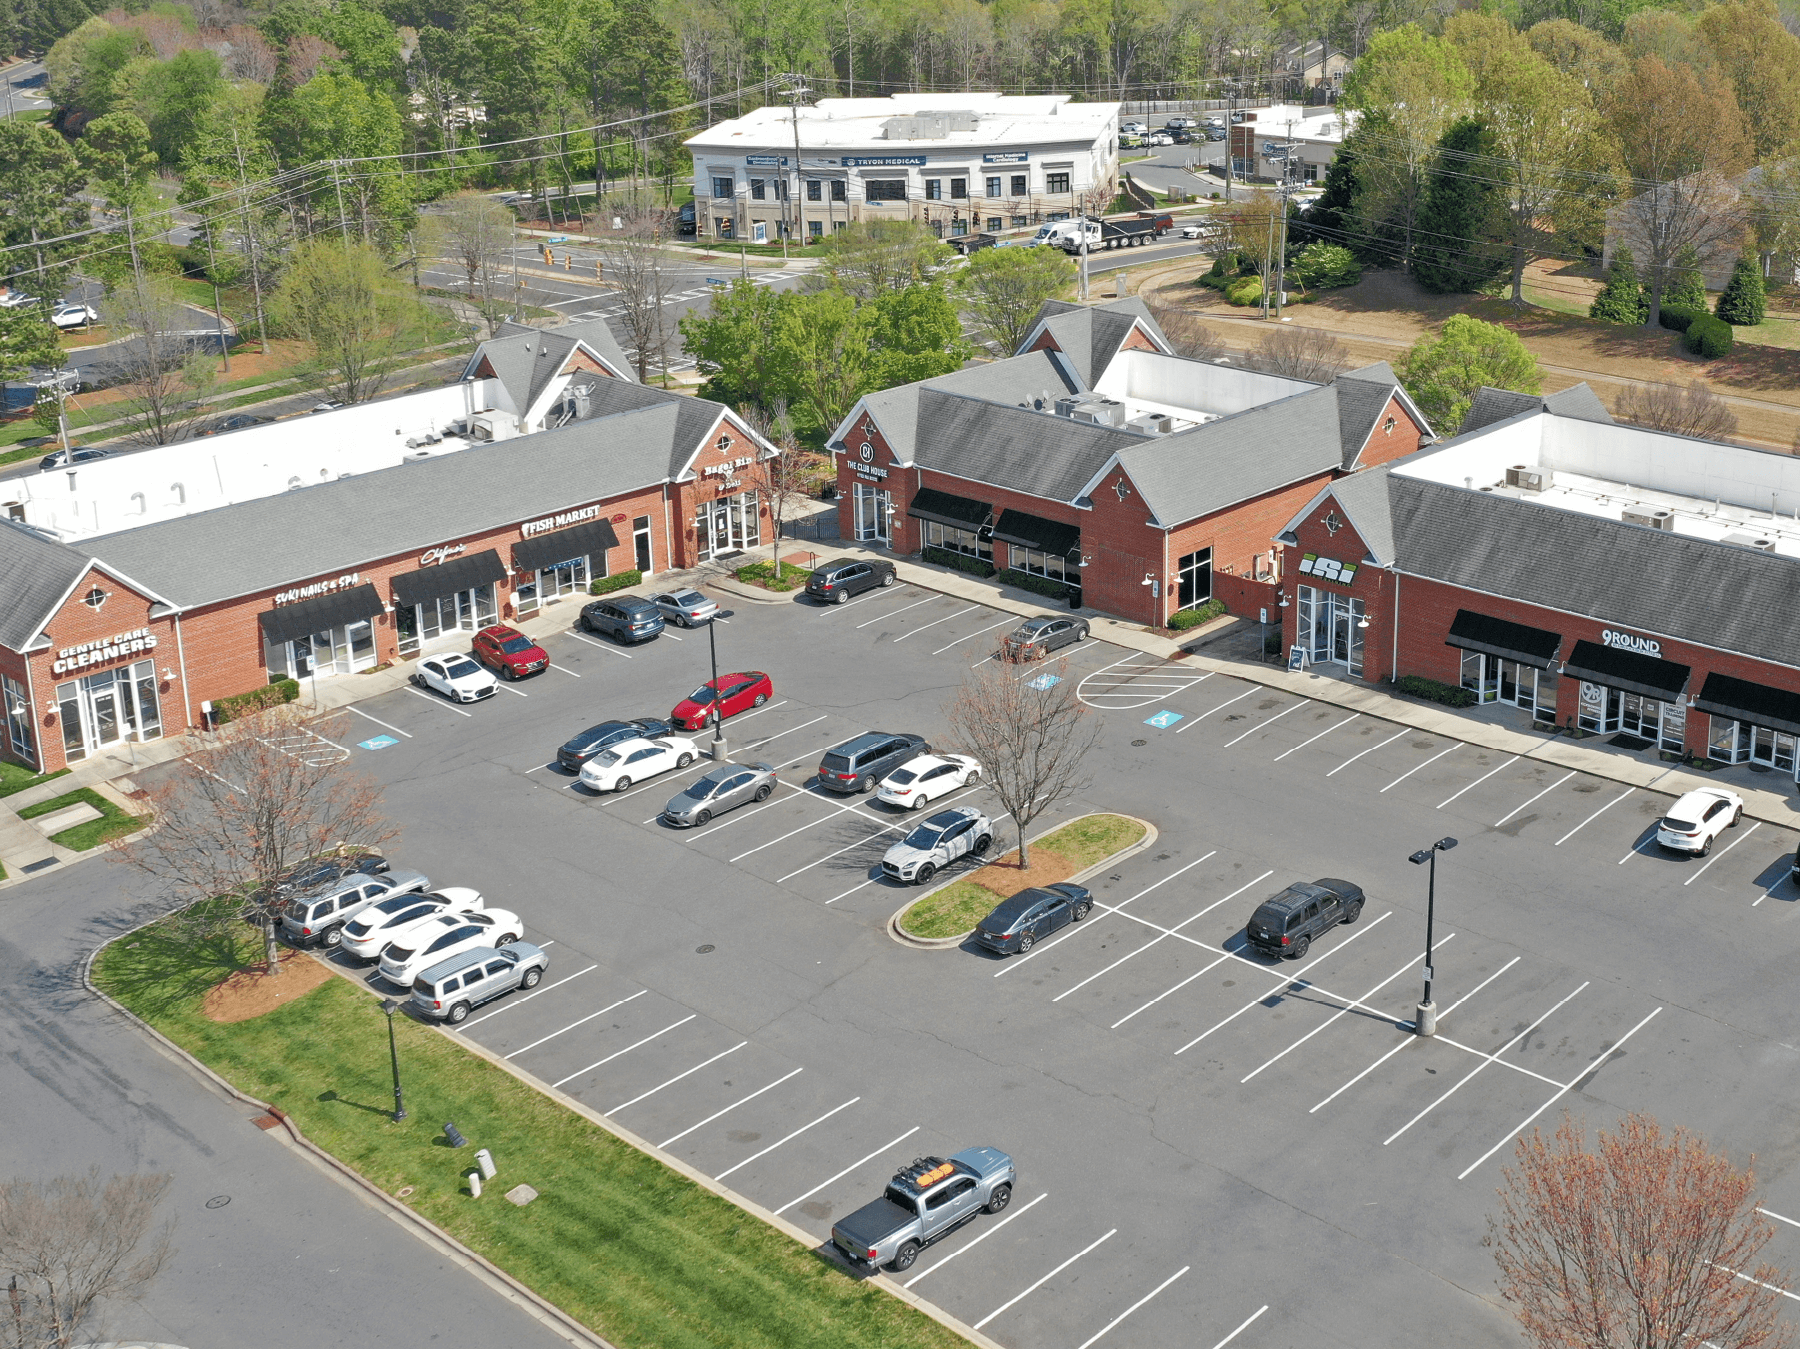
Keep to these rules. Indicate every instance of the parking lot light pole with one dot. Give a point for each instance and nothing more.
(1425, 1023)
(390, 1006)
(718, 741)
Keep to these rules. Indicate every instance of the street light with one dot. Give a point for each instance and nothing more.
(1425, 1023)
(390, 1006)
(718, 744)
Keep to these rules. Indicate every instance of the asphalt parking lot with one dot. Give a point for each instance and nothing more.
(1212, 1146)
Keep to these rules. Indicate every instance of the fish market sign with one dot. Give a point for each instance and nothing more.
(1625, 641)
(558, 521)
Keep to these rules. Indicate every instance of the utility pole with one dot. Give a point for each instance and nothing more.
(262, 329)
(794, 93)
(1230, 130)
(1281, 197)
(1268, 261)
(338, 183)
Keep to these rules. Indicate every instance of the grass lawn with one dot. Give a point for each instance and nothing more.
(16, 778)
(644, 1256)
(763, 574)
(112, 823)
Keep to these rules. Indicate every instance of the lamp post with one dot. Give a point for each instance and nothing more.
(712, 645)
(1425, 1023)
(1281, 603)
(390, 1006)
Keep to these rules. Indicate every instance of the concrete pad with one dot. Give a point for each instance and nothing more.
(66, 818)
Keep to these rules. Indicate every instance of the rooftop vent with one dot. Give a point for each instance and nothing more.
(1650, 519)
(927, 126)
(1527, 478)
(416, 456)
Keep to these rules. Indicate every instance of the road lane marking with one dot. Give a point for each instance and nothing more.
(1271, 721)
(599, 1063)
(802, 1129)
(1370, 750)
(1722, 851)
(1416, 767)
(514, 1002)
(1195, 721)
(1241, 1329)
(728, 1109)
(437, 702)
(379, 722)
(894, 1143)
(1596, 815)
(602, 645)
(902, 825)
(678, 1076)
(961, 1250)
(1134, 1306)
(881, 618)
(934, 622)
(1010, 618)
(1110, 908)
(1320, 736)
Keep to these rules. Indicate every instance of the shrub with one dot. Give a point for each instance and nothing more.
(1245, 290)
(1324, 266)
(618, 581)
(1709, 336)
(1042, 585)
(1622, 298)
(1743, 302)
(1183, 619)
(1678, 317)
(1448, 694)
(943, 557)
(270, 695)
(764, 574)
(1685, 287)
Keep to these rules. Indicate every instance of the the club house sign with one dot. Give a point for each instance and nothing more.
(1625, 641)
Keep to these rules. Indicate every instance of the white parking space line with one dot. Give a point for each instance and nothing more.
(934, 622)
(1773, 1288)
(678, 1076)
(1195, 721)
(600, 1063)
(379, 722)
(1471, 786)
(591, 642)
(514, 1002)
(1521, 806)
(873, 594)
(437, 702)
(1513, 1133)
(790, 1138)
(1489, 1059)
(1416, 767)
(963, 1250)
(1771, 1213)
(1174, 931)
(1010, 618)
(1320, 736)
(216, 778)
(1241, 1329)
(1766, 893)
(564, 669)
(728, 1109)
(1178, 987)
(838, 811)
(847, 1170)
(582, 1022)
(1110, 908)
(892, 612)
(852, 890)
(1596, 815)
(1370, 750)
(1722, 851)
(1637, 848)
(1482, 1054)
(1020, 1297)
(1292, 982)
(901, 825)
(508, 688)
(1342, 1011)
(1259, 725)
(1134, 1306)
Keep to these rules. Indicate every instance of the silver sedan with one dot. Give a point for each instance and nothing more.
(725, 787)
(687, 607)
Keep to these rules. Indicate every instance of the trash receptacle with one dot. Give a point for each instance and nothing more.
(1074, 594)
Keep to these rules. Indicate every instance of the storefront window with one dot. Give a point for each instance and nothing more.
(1195, 570)
(874, 510)
(569, 577)
(18, 719)
(640, 546)
(954, 540)
(525, 594)
(1038, 564)
(465, 611)
(106, 708)
(1330, 627)
(728, 525)
(1774, 749)
(1727, 741)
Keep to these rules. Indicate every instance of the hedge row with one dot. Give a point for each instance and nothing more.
(619, 581)
(943, 557)
(270, 695)
(1041, 585)
(1700, 331)
(1448, 694)
(1183, 619)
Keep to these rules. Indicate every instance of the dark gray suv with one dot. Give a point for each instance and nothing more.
(857, 765)
(836, 582)
(1286, 924)
(625, 619)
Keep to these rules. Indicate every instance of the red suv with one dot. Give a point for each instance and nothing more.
(733, 693)
(509, 652)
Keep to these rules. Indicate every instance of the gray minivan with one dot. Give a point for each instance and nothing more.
(450, 989)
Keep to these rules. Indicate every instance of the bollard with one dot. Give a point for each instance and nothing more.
(485, 1160)
(455, 1136)
(598, 273)
(475, 1184)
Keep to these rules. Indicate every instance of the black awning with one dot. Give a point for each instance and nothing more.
(1033, 531)
(1660, 679)
(1497, 637)
(293, 621)
(590, 539)
(1758, 704)
(930, 504)
(459, 573)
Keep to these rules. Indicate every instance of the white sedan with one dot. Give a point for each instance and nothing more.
(1697, 818)
(396, 918)
(616, 767)
(457, 677)
(447, 935)
(922, 780)
(68, 316)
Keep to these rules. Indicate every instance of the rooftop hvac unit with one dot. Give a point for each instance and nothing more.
(1065, 407)
(580, 401)
(1099, 411)
(481, 428)
(1650, 519)
(1152, 424)
(1528, 478)
(1761, 545)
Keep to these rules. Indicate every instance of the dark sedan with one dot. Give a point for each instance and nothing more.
(1028, 917)
(581, 748)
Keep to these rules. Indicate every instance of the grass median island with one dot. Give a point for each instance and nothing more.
(634, 1250)
(1058, 855)
(113, 822)
(763, 574)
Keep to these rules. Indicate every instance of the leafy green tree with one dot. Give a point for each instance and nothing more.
(41, 182)
(27, 343)
(357, 317)
(821, 357)
(1761, 59)
(332, 118)
(227, 166)
(1326, 266)
(1580, 53)
(914, 334)
(1742, 303)
(115, 152)
(1462, 222)
(1443, 372)
(870, 257)
(732, 343)
(1003, 289)
(1686, 288)
(85, 69)
(174, 96)
(1622, 298)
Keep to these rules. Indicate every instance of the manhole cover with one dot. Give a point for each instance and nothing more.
(1137, 744)
(218, 1201)
(403, 1191)
(703, 950)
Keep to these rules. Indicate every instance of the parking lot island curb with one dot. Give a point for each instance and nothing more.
(905, 938)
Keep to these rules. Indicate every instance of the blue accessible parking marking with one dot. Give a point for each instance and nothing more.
(1163, 720)
(1046, 681)
(379, 742)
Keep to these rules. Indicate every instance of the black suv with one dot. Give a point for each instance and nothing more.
(590, 742)
(1285, 924)
(625, 619)
(836, 582)
(857, 765)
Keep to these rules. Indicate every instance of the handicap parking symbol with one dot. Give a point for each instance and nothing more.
(1046, 681)
(1163, 720)
(379, 742)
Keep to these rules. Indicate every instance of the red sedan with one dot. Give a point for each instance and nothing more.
(509, 652)
(729, 694)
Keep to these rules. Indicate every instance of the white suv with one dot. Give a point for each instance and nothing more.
(935, 844)
(1699, 817)
(395, 919)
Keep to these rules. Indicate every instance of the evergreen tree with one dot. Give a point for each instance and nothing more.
(1327, 218)
(1459, 243)
(1686, 288)
(1742, 302)
(1622, 298)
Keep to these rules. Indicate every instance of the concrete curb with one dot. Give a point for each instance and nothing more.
(894, 930)
(753, 594)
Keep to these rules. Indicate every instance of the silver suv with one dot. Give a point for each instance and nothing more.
(450, 989)
(320, 917)
(938, 842)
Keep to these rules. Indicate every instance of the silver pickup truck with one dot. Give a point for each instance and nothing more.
(927, 1200)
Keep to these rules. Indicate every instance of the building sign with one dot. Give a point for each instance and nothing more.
(124, 645)
(765, 161)
(884, 161)
(550, 522)
(306, 592)
(865, 465)
(1327, 569)
(436, 555)
(1625, 641)
(1010, 157)
(726, 470)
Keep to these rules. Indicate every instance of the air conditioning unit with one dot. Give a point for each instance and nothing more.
(1650, 519)
(1152, 424)
(481, 428)
(1761, 545)
(1528, 478)
(1065, 407)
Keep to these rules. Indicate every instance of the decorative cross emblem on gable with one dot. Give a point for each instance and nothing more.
(1123, 488)
(1332, 522)
(723, 444)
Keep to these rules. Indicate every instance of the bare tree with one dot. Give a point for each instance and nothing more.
(472, 232)
(634, 261)
(1690, 410)
(784, 478)
(1029, 735)
(1647, 1242)
(269, 792)
(160, 363)
(1186, 333)
(1310, 354)
(71, 1246)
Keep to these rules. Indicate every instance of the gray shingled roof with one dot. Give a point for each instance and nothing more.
(1365, 502)
(1497, 405)
(1091, 334)
(525, 359)
(38, 572)
(1362, 394)
(1670, 585)
(1015, 380)
(1008, 446)
(694, 417)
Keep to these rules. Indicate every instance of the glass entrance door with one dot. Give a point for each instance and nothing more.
(1774, 749)
(1640, 716)
(1601, 708)
(106, 708)
(874, 510)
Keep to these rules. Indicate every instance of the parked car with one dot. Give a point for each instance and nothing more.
(320, 917)
(1216, 133)
(836, 582)
(1036, 638)
(624, 618)
(1019, 923)
(862, 761)
(457, 677)
(723, 697)
(614, 769)
(17, 299)
(687, 607)
(67, 316)
(69, 458)
(397, 917)
(922, 780)
(924, 1203)
(509, 652)
(721, 789)
(449, 934)
(1287, 924)
(936, 843)
(243, 421)
(450, 989)
(580, 748)
(1697, 818)
(1132, 128)
(1182, 137)
(314, 874)
(1159, 138)
(1179, 123)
